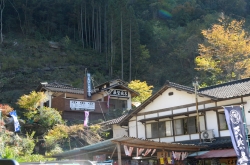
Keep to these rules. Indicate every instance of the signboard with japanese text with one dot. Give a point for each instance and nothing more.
(235, 120)
(82, 105)
(118, 92)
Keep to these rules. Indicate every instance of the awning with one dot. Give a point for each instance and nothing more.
(218, 154)
(199, 153)
(109, 146)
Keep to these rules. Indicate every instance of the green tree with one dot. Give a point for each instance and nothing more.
(31, 102)
(224, 56)
(142, 88)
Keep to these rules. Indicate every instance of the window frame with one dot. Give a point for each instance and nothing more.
(185, 127)
(222, 121)
(154, 129)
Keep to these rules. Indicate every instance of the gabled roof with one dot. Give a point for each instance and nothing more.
(109, 82)
(223, 91)
(119, 84)
(59, 87)
(66, 88)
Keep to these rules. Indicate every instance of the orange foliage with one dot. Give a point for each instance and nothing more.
(6, 109)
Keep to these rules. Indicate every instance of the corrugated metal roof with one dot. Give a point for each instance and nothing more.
(218, 154)
(130, 141)
(145, 143)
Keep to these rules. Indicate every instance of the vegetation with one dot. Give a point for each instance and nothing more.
(48, 134)
(151, 41)
(140, 40)
(225, 53)
(144, 90)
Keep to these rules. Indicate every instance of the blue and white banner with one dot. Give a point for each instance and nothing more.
(89, 85)
(235, 122)
(16, 122)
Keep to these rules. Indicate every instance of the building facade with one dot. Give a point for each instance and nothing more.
(179, 114)
(72, 102)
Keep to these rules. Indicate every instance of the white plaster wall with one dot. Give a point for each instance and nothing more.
(229, 102)
(151, 115)
(225, 133)
(165, 113)
(132, 128)
(167, 139)
(178, 98)
(182, 138)
(211, 122)
(181, 98)
(141, 130)
(194, 136)
(141, 127)
(246, 109)
(119, 131)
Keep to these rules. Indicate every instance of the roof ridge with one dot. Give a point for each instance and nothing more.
(225, 84)
(178, 85)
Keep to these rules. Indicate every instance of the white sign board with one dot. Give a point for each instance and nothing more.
(82, 105)
(118, 92)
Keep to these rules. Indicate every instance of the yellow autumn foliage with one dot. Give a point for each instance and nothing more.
(226, 51)
(142, 88)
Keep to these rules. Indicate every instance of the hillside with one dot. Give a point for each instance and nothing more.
(152, 41)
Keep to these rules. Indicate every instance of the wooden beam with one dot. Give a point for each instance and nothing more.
(176, 107)
(118, 146)
(169, 148)
(186, 113)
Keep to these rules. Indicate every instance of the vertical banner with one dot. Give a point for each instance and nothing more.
(86, 118)
(234, 118)
(89, 85)
(16, 122)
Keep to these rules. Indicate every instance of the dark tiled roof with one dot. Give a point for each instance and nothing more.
(58, 87)
(66, 88)
(180, 87)
(228, 90)
(113, 121)
(216, 143)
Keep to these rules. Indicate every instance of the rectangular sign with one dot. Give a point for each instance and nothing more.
(118, 92)
(82, 105)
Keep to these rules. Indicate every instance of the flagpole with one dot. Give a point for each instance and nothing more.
(245, 127)
(196, 86)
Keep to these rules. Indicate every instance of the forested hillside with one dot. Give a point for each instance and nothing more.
(149, 40)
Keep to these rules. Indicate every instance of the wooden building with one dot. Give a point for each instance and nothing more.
(72, 102)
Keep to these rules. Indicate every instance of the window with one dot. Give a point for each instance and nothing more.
(159, 129)
(188, 125)
(222, 121)
(118, 104)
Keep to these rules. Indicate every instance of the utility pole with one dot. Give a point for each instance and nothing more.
(196, 86)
